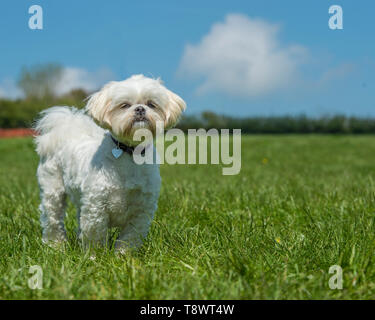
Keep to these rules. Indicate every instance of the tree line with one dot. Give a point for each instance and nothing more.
(22, 112)
(38, 84)
(337, 124)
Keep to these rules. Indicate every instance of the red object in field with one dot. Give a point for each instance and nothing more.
(18, 132)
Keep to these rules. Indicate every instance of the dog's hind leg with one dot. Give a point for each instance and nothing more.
(53, 201)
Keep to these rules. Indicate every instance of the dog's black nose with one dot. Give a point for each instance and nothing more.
(140, 109)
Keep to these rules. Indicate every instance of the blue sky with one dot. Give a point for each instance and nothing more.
(233, 57)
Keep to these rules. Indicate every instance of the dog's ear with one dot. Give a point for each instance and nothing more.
(98, 106)
(175, 107)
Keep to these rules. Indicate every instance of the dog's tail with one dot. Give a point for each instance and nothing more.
(57, 125)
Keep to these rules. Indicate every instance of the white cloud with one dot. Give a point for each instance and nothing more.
(77, 78)
(9, 89)
(336, 73)
(71, 78)
(242, 56)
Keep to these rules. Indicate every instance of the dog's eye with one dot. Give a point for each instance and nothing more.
(125, 105)
(151, 104)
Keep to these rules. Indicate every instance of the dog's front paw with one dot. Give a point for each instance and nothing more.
(55, 244)
(123, 251)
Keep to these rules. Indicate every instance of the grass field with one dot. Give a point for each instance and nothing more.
(299, 205)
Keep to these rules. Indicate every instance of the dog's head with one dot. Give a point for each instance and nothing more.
(137, 102)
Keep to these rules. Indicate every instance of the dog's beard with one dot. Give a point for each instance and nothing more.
(125, 125)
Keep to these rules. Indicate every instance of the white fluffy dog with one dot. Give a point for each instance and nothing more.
(95, 167)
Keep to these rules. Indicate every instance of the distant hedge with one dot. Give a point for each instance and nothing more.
(21, 113)
(281, 124)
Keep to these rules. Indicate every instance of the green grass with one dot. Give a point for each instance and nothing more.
(299, 205)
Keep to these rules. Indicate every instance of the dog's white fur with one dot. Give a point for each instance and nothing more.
(76, 160)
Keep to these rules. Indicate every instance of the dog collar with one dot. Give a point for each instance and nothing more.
(124, 148)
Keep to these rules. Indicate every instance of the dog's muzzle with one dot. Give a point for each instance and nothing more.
(140, 114)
